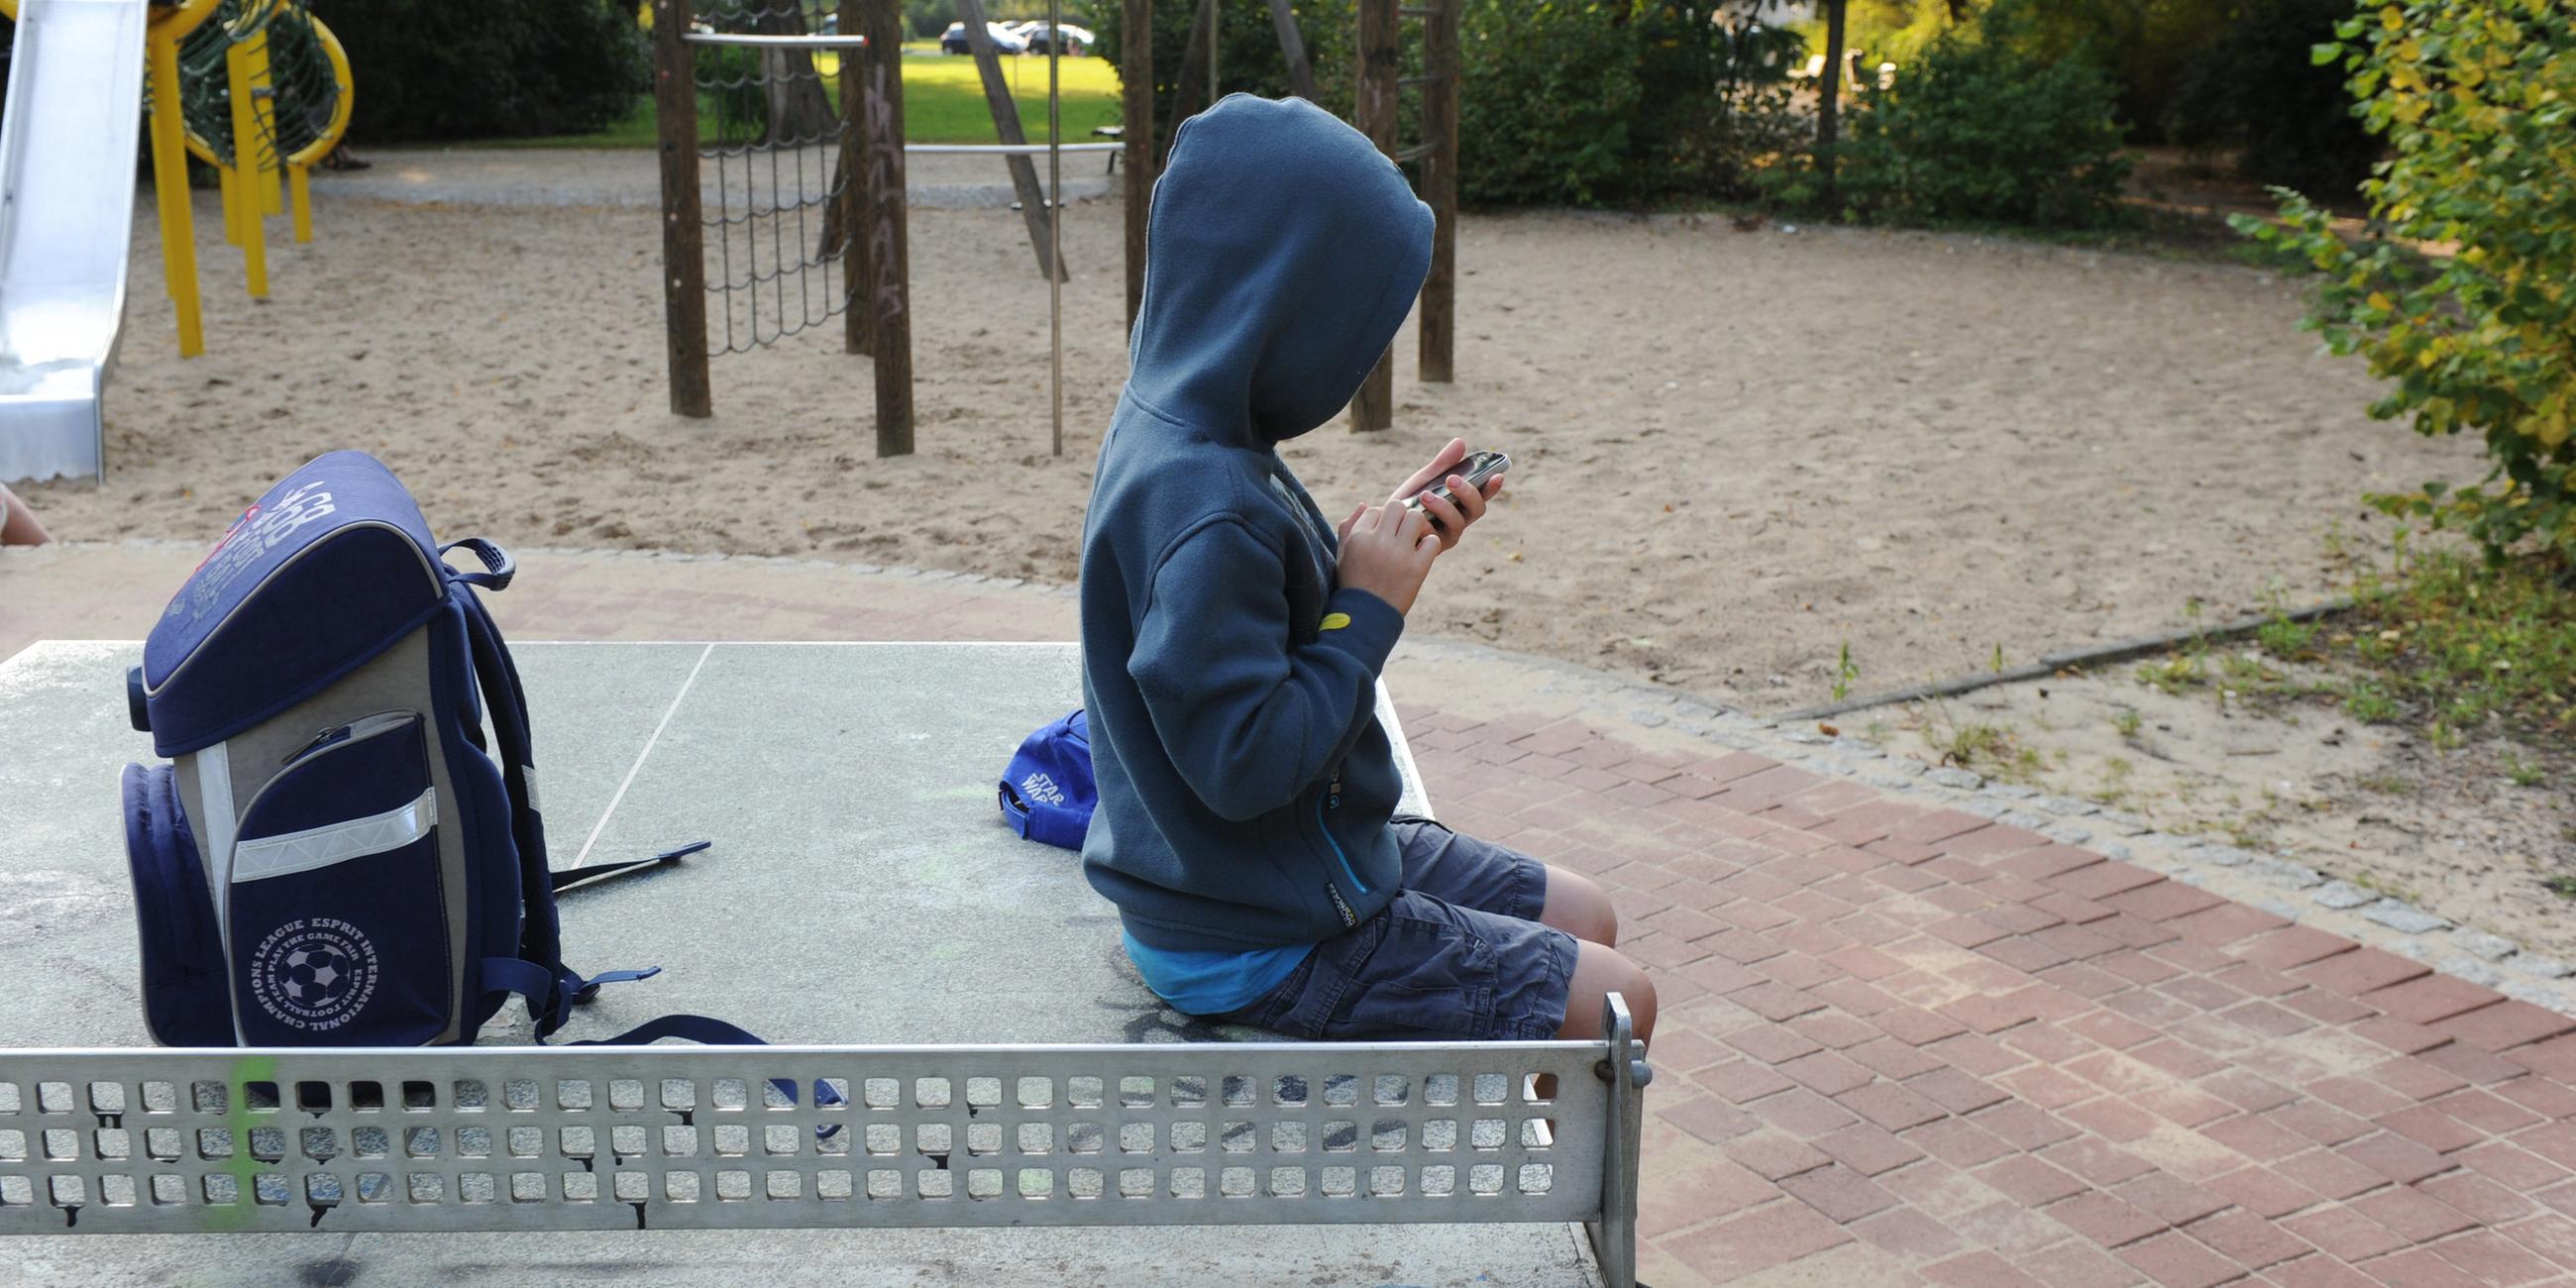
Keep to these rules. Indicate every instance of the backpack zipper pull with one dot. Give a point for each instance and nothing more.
(1333, 790)
(362, 727)
(308, 748)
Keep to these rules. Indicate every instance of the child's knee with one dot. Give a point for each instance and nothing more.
(1640, 995)
(1577, 906)
(1598, 972)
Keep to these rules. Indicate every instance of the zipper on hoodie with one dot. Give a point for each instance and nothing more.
(1333, 801)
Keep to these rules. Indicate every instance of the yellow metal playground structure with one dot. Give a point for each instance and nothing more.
(252, 88)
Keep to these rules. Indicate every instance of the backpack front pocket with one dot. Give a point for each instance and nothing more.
(337, 924)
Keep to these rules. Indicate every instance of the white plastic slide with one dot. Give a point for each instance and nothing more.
(67, 149)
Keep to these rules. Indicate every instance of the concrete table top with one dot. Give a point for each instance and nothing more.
(862, 888)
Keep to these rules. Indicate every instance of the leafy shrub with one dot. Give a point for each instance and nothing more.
(1549, 101)
(1582, 102)
(1629, 102)
(928, 18)
(2145, 48)
(1893, 30)
(435, 69)
(1247, 55)
(2256, 89)
(1979, 130)
(2478, 99)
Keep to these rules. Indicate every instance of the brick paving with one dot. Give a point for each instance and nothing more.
(1902, 1044)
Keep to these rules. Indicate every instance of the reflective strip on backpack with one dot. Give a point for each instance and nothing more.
(215, 791)
(320, 847)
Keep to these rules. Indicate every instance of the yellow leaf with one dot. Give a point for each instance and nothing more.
(2554, 429)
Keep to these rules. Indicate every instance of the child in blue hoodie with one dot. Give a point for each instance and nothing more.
(1232, 638)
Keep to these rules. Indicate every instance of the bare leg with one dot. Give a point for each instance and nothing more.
(1578, 907)
(18, 526)
(1598, 972)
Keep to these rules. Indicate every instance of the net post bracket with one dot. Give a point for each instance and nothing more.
(1623, 1066)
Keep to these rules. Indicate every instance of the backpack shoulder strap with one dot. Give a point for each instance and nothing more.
(540, 935)
(538, 972)
(713, 1032)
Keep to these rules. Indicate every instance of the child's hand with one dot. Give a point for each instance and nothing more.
(1387, 550)
(1452, 516)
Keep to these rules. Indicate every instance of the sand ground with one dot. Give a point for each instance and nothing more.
(1737, 451)
(2382, 806)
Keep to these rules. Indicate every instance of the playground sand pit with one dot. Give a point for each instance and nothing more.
(2262, 762)
(1737, 452)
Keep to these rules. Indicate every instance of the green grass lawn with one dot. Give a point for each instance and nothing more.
(943, 102)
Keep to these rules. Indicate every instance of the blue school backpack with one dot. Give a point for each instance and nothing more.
(338, 854)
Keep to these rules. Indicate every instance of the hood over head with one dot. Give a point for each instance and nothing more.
(1284, 252)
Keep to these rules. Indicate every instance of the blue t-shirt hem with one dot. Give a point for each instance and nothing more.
(1213, 983)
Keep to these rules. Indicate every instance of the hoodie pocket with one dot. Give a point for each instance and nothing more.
(337, 921)
(1327, 808)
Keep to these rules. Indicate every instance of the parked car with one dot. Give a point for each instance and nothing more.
(1076, 39)
(953, 40)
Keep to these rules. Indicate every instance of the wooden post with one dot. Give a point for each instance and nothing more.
(1375, 107)
(1189, 93)
(1438, 324)
(1055, 216)
(1292, 46)
(1136, 95)
(684, 252)
(1034, 210)
(1829, 104)
(889, 261)
(844, 218)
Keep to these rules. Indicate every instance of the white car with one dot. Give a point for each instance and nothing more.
(953, 40)
(1038, 35)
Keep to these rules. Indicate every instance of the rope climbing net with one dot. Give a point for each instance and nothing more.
(300, 95)
(768, 84)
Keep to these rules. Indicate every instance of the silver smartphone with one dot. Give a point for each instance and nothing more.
(1478, 468)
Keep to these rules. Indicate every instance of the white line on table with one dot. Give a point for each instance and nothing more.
(638, 766)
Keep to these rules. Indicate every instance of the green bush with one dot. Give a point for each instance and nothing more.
(1979, 129)
(2145, 48)
(1247, 54)
(435, 69)
(1619, 102)
(2478, 100)
(1549, 101)
(1566, 102)
(2290, 119)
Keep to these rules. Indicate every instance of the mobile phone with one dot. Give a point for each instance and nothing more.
(1477, 469)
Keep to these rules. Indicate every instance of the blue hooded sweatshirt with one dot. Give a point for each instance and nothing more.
(1245, 782)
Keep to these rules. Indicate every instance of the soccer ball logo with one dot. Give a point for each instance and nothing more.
(316, 975)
